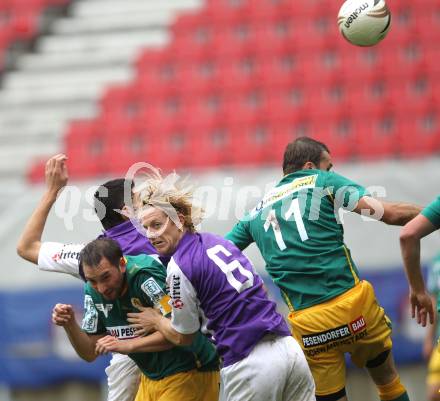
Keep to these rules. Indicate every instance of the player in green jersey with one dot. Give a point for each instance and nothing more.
(296, 226)
(118, 285)
(429, 350)
(421, 226)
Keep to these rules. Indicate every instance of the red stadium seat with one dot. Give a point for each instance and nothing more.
(199, 78)
(210, 146)
(83, 146)
(252, 144)
(123, 101)
(419, 135)
(338, 134)
(376, 138)
(282, 71)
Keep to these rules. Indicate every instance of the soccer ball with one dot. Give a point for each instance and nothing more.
(364, 22)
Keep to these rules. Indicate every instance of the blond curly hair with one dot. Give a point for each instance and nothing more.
(171, 194)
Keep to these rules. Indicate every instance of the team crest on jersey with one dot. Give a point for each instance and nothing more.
(136, 302)
(105, 309)
(153, 290)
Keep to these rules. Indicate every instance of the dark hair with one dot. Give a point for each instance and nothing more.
(110, 196)
(92, 254)
(301, 151)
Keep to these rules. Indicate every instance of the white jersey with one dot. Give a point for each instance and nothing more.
(59, 257)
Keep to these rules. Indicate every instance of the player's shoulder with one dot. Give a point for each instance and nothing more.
(139, 261)
(213, 241)
(143, 265)
(90, 292)
(196, 247)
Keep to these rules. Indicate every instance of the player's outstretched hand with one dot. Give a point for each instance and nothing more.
(111, 344)
(63, 314)
(144, 321)
(421, 307)
(56, 173)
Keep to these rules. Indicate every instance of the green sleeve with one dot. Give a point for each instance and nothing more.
(433, 280)
(432, 212)
(148, 289)
(91, 322)
(344, 191)
(143, 261)
(240, 234)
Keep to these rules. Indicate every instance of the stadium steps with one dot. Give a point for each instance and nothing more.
(54, 61)
(93, 46)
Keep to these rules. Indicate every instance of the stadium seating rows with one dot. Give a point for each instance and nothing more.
(241, 78)
(19, 21)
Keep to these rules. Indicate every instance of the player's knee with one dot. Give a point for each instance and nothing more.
(382, 369)
(379, 360)
(332, 397)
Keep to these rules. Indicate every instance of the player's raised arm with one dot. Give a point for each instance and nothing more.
(410, 236)
(392, 213)
(29, 244)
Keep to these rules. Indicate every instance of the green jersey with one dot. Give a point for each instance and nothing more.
(146, 279)
(297, 229)
(432, 212)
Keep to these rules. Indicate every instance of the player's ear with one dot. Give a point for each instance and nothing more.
(181, 218)
(122, 264)
(308, 166)
(126, 212)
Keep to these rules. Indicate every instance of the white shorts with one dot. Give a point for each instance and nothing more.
(275, 370)
(123, 378)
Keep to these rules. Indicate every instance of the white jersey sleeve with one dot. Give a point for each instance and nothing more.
(59, 257)
(185, 315)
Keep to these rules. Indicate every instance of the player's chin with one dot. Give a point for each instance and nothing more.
(110, 295)
(161, 247)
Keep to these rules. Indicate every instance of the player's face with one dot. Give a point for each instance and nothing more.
(326, 162)
(163, 234)
(107, 279)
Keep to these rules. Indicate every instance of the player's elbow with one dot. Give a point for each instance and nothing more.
(408, 235)
(28, 251)
(88, 357)
(23, 250)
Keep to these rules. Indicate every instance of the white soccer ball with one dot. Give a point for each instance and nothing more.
(364, 22)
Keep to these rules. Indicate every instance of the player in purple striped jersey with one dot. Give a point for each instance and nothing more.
(213, 286)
